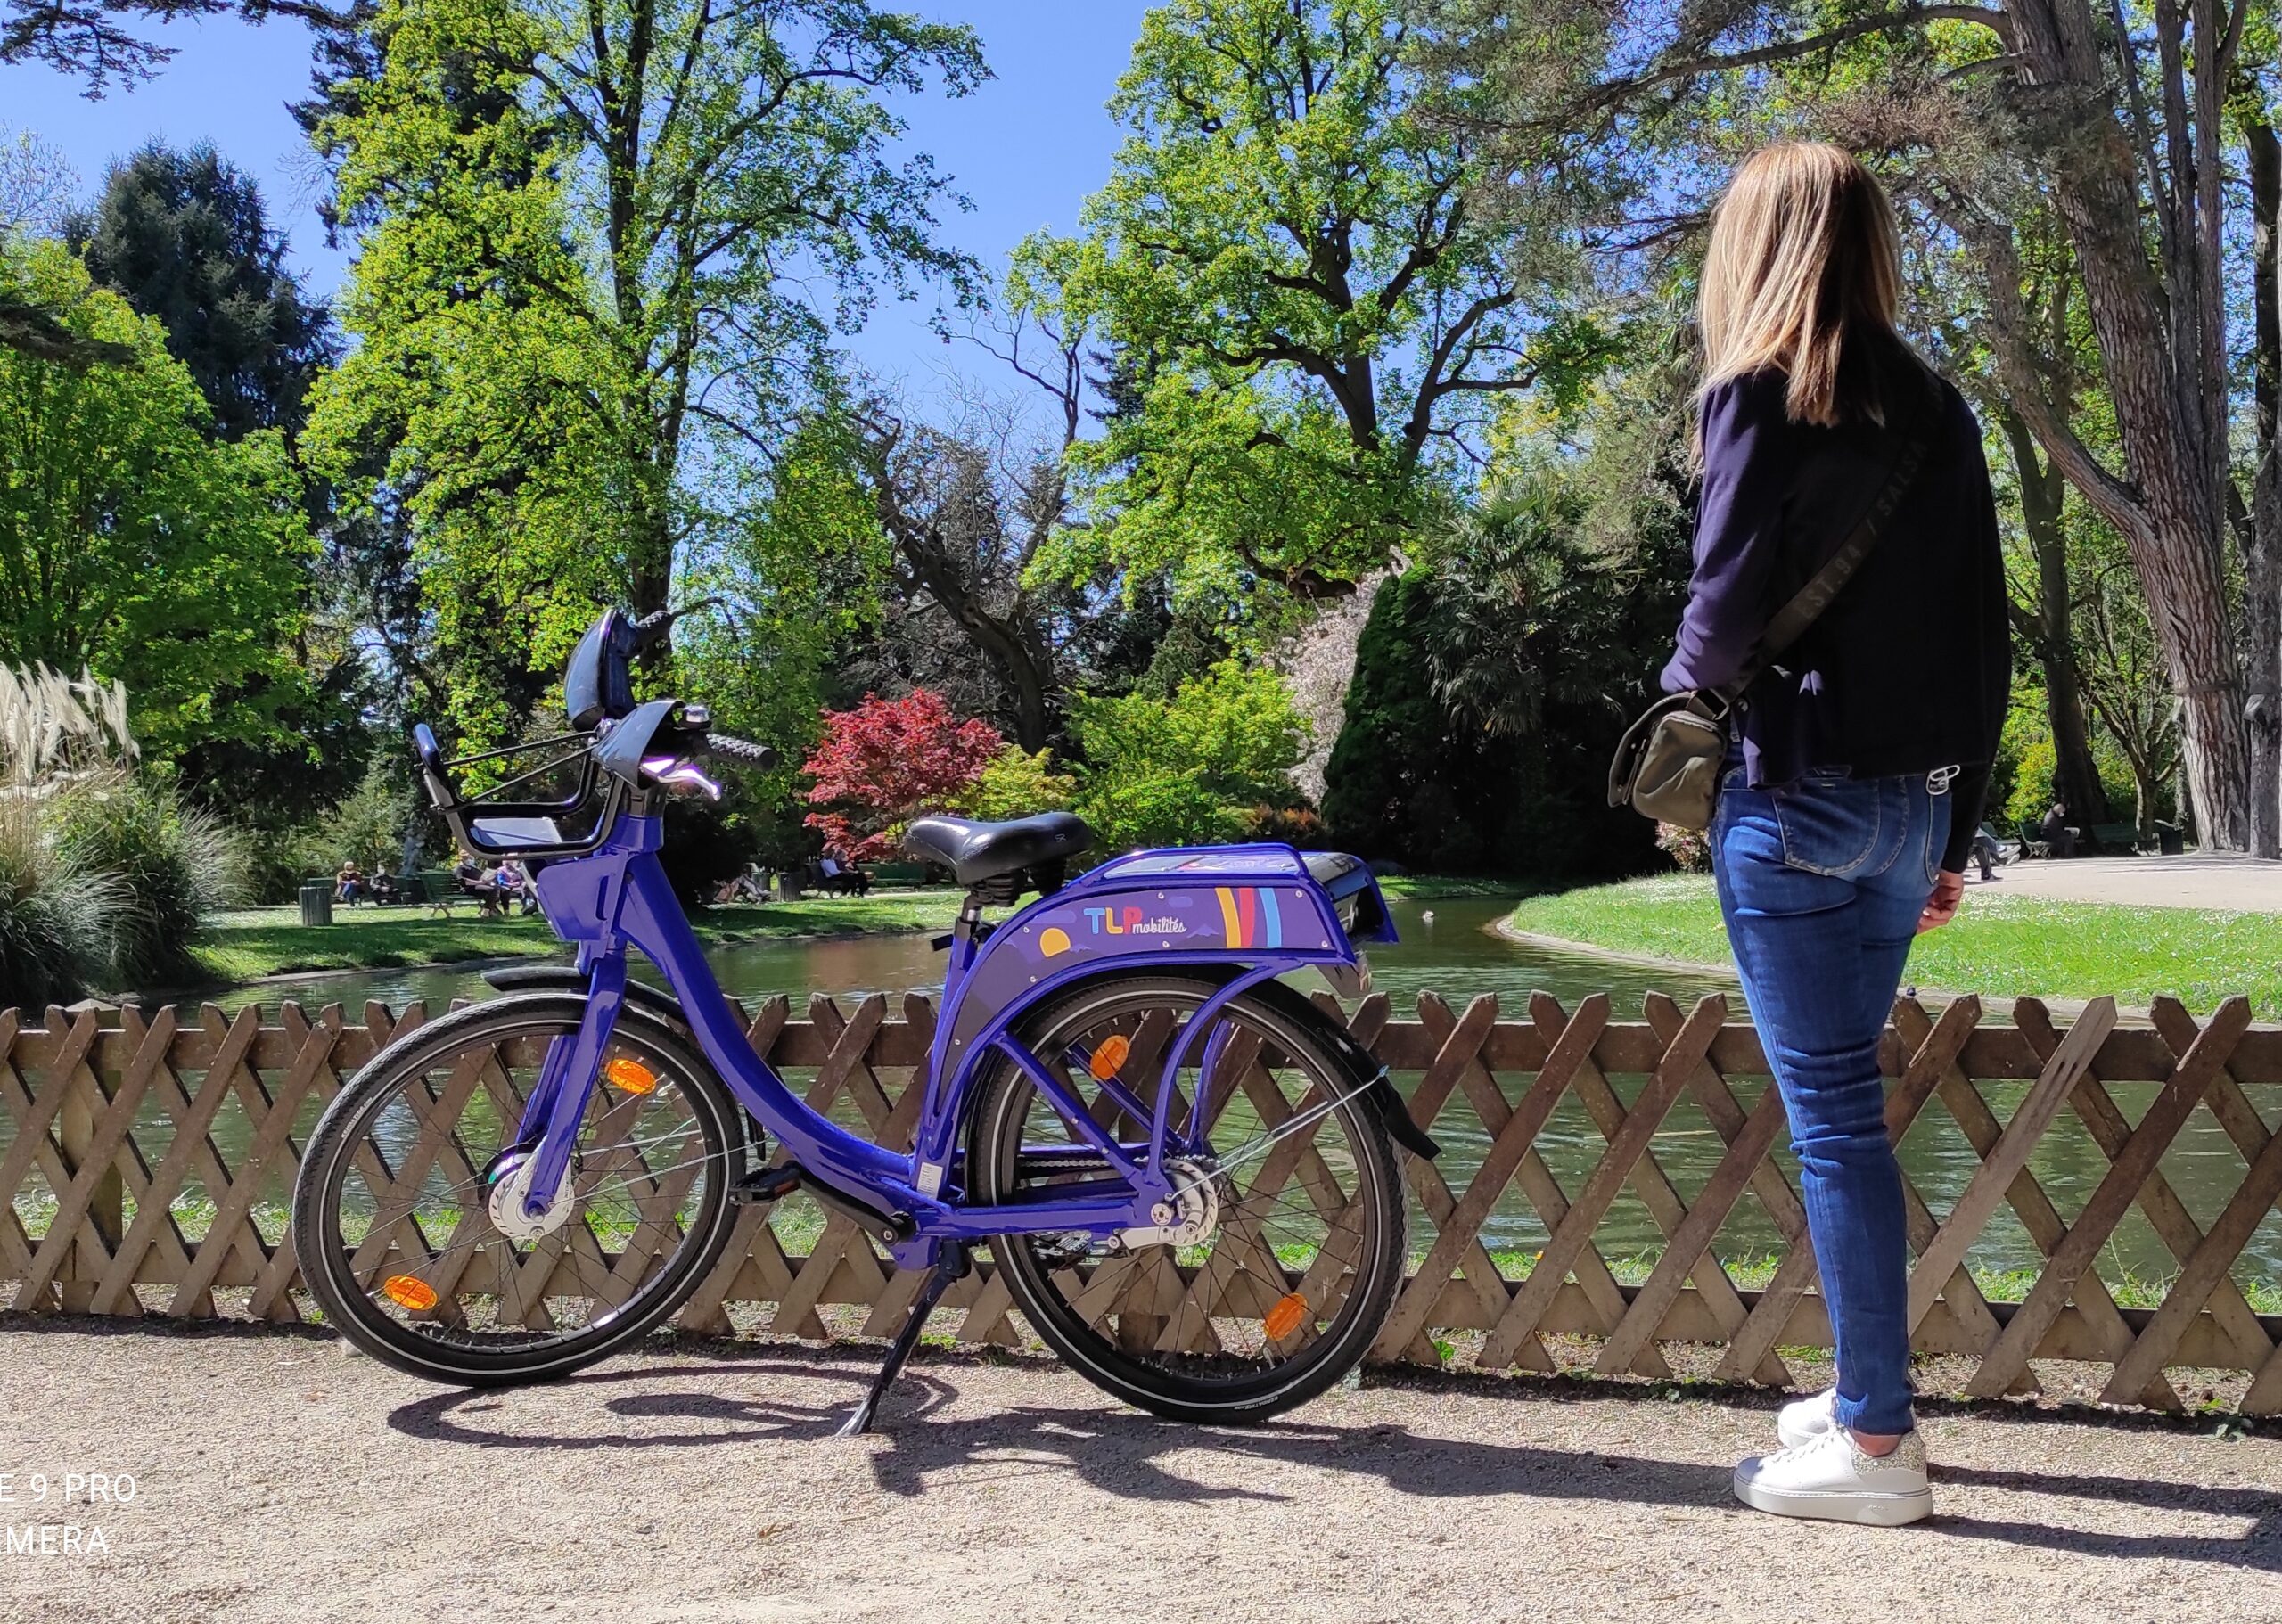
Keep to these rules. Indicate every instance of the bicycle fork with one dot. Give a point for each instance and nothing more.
(549, 1128)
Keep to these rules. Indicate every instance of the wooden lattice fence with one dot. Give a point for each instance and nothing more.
(117, 1198)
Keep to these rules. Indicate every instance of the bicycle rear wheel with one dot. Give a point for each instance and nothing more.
(393, 1212)
(1285, 1293)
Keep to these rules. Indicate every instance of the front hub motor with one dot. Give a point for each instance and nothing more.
(511, 1188)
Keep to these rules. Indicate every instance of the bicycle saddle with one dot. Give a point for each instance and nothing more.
(975, 851)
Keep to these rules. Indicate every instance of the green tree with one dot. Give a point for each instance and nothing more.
(1306, 301)
(603, 261)
(1190, 769)
(184, 237)
(98, 41)
(131, 544)
(1494, 679)
(2117, 118)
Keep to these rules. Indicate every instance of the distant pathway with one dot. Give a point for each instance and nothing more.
(2196, 880)
(278, 1479)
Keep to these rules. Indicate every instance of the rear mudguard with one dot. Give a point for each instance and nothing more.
(1381, 1095)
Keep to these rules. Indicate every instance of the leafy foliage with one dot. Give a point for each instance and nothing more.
(1015, 783)
(185, 238)
(599, 266)
(886, 762)
(134, 546)
(1287, 260)
(52, 940)
(1492, 683)
(1190, 769)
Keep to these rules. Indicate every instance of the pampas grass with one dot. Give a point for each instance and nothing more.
(55, 916)
(55, 729)
(170, 867)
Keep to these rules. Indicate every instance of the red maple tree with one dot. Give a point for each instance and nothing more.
(885, 763)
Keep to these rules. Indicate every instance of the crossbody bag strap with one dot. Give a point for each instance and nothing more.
(1811, 600)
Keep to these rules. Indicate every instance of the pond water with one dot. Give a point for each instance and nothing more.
(1447, 947)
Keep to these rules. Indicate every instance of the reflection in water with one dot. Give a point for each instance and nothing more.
(1455, 954)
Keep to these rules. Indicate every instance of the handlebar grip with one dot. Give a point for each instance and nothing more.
(740, 750)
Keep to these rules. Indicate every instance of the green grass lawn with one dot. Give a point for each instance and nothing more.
(2000, 946)
(256, 942)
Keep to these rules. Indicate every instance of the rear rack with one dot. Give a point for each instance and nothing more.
(488, 822)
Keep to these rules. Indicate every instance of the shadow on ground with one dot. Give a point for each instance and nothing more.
(1121, 1453)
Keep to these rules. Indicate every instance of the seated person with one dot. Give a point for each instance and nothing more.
(2056, 831)
(349, 884)
(751, 885)
(515, 884)
(467, 874)
(387, 888)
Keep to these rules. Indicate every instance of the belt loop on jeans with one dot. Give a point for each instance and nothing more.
(1937, 781)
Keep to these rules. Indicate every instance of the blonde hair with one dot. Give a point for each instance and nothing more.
(1805, 254)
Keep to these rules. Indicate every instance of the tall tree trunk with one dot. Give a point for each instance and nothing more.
(2075, 778)
(2262, 535)
(2160, 392)
(1318, 663)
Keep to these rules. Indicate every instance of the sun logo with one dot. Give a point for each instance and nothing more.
(1053, 940)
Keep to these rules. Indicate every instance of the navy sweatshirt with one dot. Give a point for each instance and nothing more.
(1909, 668)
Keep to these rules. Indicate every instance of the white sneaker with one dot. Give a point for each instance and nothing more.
(1831, 1478)
(1807, 1419)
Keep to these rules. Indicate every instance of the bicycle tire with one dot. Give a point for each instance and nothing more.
(323, 1245)
(1198, 1393)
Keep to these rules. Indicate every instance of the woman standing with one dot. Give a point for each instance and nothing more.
(1858, 761)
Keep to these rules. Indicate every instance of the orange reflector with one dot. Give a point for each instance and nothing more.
(1284, 1317)
(1109, 1056)
(409, 1291)
(630, 1075)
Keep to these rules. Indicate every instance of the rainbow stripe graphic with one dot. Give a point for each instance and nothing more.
(1249, 916)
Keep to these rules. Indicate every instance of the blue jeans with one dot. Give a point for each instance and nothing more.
(1821, 882)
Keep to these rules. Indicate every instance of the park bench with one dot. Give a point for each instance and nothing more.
(2032, 842)
(436, 889)
(2117, 836)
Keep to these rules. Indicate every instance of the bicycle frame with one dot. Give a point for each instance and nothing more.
(1248, 913)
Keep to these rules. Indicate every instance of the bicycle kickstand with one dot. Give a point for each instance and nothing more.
(951, 1267)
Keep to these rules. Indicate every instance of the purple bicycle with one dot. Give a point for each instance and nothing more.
(1183, 1170)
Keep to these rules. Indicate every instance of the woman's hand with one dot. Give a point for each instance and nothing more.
(1942, 906)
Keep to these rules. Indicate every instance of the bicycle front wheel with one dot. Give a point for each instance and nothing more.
(1298, 1264)
(394, 1218)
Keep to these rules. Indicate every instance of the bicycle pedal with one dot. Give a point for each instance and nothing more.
(769, 1185)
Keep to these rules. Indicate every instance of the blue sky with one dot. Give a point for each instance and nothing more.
(1027, 147)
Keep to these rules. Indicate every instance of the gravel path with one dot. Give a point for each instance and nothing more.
(277, 1478)
(2193, 880)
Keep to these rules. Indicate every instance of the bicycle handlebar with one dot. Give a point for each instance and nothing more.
(740, 749)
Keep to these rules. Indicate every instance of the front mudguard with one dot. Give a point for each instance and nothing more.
(569, 978)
